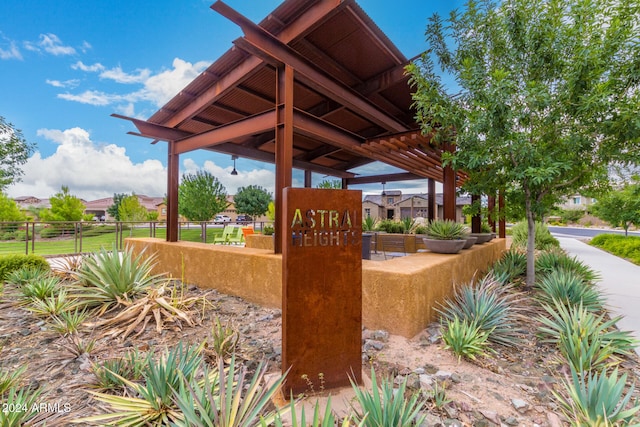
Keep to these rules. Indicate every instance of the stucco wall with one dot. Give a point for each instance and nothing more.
(398, 295)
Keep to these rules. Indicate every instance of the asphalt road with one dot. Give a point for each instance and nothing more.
(586, 232)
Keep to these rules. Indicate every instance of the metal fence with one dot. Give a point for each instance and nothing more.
(77, 237)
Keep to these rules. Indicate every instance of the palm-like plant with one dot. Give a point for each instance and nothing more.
(54, 305)
(109, 277)
(22, 401)
(598, 400)
(386, 406)
(465, 338)
(43, 287)
(26, 275)
(553, 260)
(490, 305)
(228, 401)
(512, 265)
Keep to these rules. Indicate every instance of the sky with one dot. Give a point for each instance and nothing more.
(66, 66)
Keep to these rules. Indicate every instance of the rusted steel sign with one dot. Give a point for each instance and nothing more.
(322, 288)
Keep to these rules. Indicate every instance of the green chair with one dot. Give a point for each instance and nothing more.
(237, 236)
(223, 239)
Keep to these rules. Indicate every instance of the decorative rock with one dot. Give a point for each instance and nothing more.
(520, 405)
(431, 421)
(373, 345)
(419, 371)
(491, 416)
(512, 421)
(380, 336)
(448, 422)
(443, 375)
(553, 420)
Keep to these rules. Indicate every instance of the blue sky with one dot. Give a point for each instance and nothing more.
(66, 66)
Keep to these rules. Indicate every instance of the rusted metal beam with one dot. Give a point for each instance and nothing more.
(431, 199)
(449, 184)
(153, 130)
(390, 177)
(173, 178)
(251, 125)
(268, 46)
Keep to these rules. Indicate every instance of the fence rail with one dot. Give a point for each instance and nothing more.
(77, 237)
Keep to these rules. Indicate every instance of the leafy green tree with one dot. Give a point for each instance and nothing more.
(547, 96)
(620, 207)
(330, 184)
(252, 200)
(14, 152)
(130, 209)
(113, 209)
(201, 196)
(64, 207)
(9, 209)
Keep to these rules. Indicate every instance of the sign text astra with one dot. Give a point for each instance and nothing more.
(323, 227)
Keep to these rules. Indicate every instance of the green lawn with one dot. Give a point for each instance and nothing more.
(95, 238)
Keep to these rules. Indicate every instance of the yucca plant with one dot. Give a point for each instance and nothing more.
(321, 417)
(43, 287)
(69, 321)
(445, 229)
(465, 338)
(553, 260)
(229, 401)
(543, 238)
(598, 400)
(109, 277)
(386, 406)
(224, 339)
(109, 373)
(78, 346)
(490, 305)
(568, 289)
(10, 378)
(155, 403)
(54, 305)
(586, 340)
(21, 400)
(512, 265)
(26, 275)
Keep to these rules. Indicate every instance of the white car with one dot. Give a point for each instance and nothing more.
(222, 218)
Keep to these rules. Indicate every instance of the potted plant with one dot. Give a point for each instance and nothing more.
(485, 236)
(445, 236)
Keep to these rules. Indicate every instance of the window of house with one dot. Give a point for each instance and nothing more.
(389, 200)
(164, 211)
(576, 200)
(367, 212)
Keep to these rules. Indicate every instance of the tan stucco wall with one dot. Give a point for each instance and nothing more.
(398, 295)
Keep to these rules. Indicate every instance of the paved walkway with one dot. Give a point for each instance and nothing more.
(620, 282)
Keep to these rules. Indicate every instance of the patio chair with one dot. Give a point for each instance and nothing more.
(246, 231)
(393, 245)
(223, 239)
(236, 236)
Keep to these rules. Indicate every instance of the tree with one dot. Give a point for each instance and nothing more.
(252, 200)
(201, 196)
(130, 209)
(620, 207)
(64, 207)
(547, 97)
(326, 183)
(14, 152)
(113, 209)
(9, 209)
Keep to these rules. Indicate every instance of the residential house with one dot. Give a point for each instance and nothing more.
(394, 205)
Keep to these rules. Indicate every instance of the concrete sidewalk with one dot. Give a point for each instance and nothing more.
(619, 282)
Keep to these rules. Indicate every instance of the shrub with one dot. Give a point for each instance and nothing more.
(512, 265)
(568, 289)
(26, 275)
(623, 246)
(10, 263)
(390, 226)
(446, 230)
(50, 232)
(543, 238)
(110, 373)
(489, 305)
(571, 215)
(550, 261)
(41, 288)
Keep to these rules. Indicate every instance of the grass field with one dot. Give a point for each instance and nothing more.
(96, 238)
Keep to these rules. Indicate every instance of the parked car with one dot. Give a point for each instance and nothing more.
(244, 218)
(222, 218)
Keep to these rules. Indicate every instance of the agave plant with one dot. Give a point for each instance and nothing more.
(386, 406)
(10, 378)
(109, 373)
(587, 341)
(41, 288)
(568, 289)
(224, 339)
(228, 401)
(445, 229)
(54, 305)
(465, 338)
(553, 260)
(598, 400)
(491, 306)
(109, 277)
(69, 322)
(155, 404)
(512, 265)
(21, 400)
(26, 275)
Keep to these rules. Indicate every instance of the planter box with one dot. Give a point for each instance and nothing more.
(444, 246)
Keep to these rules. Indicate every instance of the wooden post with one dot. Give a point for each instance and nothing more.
(431, 199)
(284, 148)
(449, 184)
(502, 221)
(173, 180)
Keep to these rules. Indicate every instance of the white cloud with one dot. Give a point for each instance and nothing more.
(67, 83)
(91, 68)
(11, 52)
(163, 86)
(53, 45)
(91, 171)
(91, 97)
(116, 74)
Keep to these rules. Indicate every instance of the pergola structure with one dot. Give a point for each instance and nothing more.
(315, 86)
